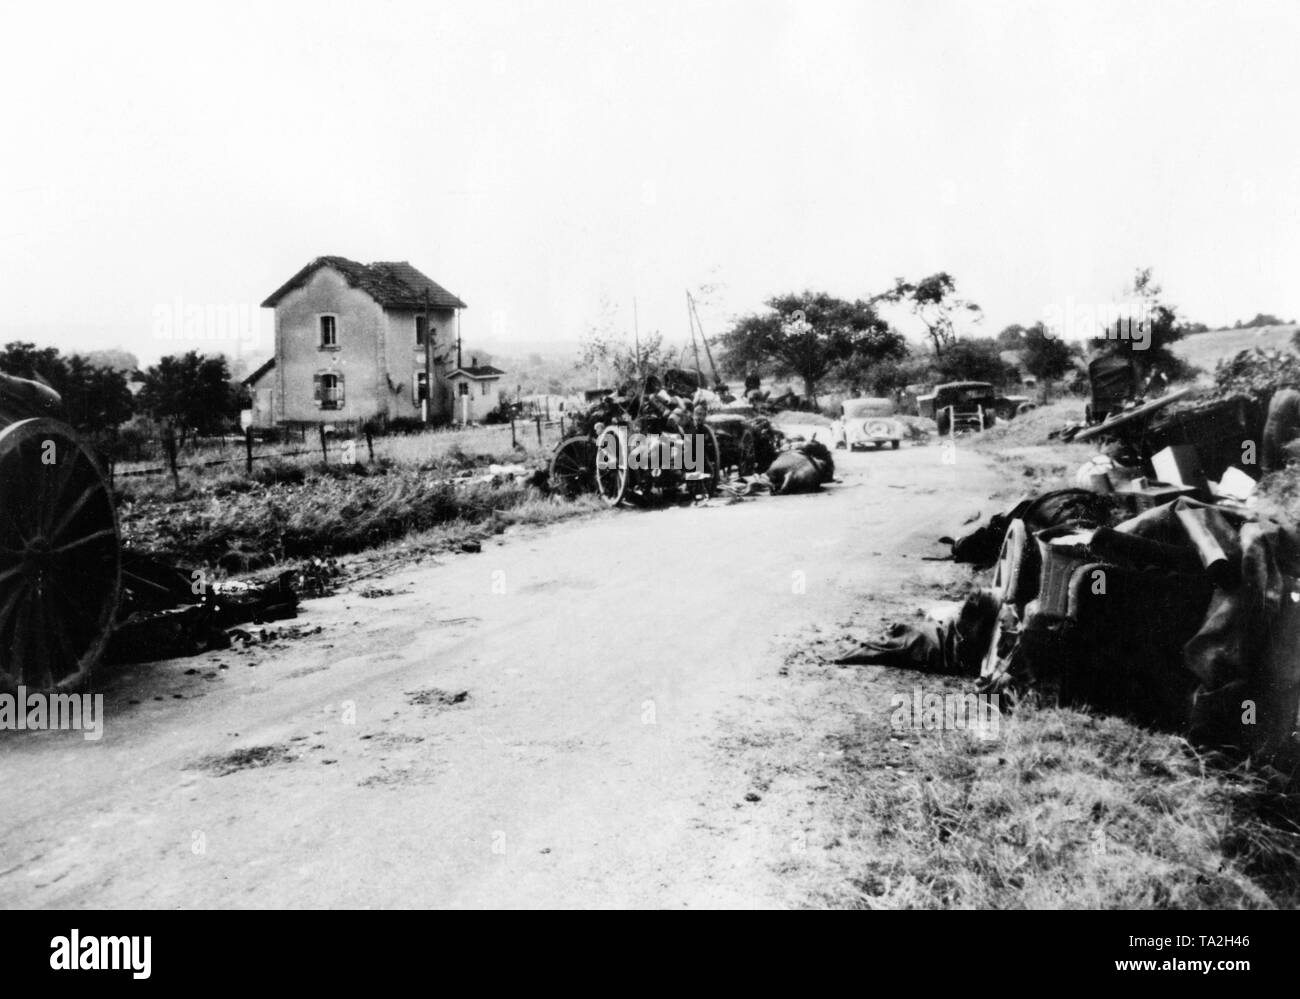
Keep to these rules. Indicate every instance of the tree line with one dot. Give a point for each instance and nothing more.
(189, 394)
(817, 338)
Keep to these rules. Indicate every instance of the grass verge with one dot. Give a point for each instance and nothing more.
(1064, 810)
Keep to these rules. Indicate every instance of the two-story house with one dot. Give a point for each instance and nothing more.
(350, 344)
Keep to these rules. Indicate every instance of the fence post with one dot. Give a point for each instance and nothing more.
(248, 450)
(370, 444)
(539, 429)
(324, 451)
(169, 445)
(513, 441)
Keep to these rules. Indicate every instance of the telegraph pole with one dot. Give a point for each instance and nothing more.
(427, 402)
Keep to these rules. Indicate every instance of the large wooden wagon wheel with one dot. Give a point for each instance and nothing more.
(611, 466)
(59, 557)
(573, 466)
(712, 457)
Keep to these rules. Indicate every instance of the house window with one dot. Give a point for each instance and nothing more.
(328, 333)
(484, 387)
(421, 328)
(462, 388)
(329, 390)
(420, 383)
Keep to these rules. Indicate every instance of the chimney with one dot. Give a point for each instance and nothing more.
(473, 361)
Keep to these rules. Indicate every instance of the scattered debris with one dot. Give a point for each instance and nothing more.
(434, 696)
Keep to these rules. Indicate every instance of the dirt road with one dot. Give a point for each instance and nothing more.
(557, 721)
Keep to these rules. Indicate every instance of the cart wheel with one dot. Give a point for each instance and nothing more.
(573, 466)
(611, 467)
(747, 464)
(59, 557)
(712, 457)
(1009, 571)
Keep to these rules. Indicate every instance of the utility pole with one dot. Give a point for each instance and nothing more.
(427, 402)
(636, 334)
(694, 344)
(695, 312)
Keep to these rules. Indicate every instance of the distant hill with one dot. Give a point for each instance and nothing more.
(1206, 349)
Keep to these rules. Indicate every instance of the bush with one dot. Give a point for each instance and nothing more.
(277, 471)
(1257, 372)
(403, 425)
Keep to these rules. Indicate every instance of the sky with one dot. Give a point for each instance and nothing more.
(547, 160)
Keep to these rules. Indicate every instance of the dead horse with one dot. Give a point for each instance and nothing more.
(803, 469)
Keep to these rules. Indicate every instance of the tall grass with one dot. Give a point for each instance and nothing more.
(298, 507)
(1066, 809)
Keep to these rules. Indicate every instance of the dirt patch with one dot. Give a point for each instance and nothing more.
(434, 697)
(248, 758)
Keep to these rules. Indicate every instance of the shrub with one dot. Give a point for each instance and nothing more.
(277, 471)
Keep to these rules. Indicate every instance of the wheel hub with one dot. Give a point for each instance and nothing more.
(36, 553)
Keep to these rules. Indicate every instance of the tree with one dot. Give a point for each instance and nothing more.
(191, 393)
(975, 360)
(1012, 337)
(622, 358)
(1161, 328)
(1045, 356)
(26, 360)
(95, 396)
(807, 335)
(115, 358)
(933, 300)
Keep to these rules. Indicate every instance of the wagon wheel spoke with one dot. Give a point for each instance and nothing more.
(8, 611)
(107, 532)
(70, 655)
(89, 494)
(17, 642)
(9, 506)
(43, 673)
(54, 491)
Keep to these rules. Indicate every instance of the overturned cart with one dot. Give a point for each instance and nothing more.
(70, 597)
(60, 557)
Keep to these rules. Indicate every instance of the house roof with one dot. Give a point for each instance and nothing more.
(393, 284)
(477, 371)
(259, 372)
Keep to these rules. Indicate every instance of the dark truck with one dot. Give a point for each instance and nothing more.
(960, 406)
(1113, 383)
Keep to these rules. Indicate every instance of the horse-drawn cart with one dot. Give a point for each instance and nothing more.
(639, 450)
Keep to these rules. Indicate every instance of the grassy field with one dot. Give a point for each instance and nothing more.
(1204, 350)
(481, 444)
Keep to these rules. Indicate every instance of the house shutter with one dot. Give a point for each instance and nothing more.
(316, 392)
(338, 391)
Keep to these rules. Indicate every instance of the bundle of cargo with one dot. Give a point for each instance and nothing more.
(1186, 616)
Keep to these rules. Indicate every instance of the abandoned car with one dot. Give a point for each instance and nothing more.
(864, 422)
